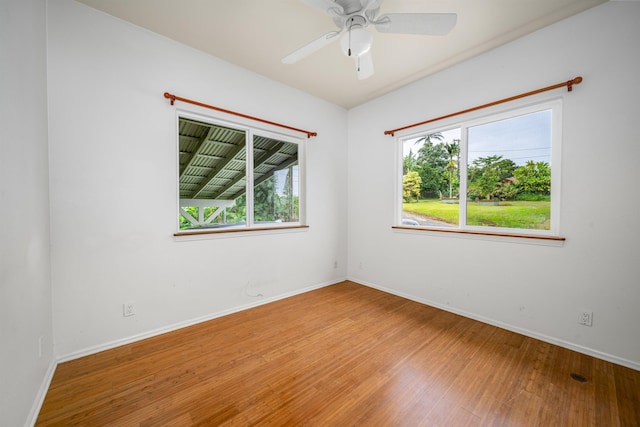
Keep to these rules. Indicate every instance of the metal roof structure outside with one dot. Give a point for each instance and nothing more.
(213, 160)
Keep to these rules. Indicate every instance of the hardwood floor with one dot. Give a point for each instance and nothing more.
(344, 355)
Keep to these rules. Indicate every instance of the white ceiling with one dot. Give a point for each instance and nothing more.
(257, 34)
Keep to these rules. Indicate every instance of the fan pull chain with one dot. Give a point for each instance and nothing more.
(350, 26)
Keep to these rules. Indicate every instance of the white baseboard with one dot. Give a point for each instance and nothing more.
(528, 333)
(131, 339)
(42, 393)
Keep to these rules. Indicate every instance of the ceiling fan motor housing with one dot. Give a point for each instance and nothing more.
(356, 41)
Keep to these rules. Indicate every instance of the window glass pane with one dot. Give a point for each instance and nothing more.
(276, 181)
(431, 179)
(509, 173)
(212, 175)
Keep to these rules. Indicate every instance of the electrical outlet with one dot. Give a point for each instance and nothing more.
(40, 346)
(335, 264)
(586, 318)
(129, 308)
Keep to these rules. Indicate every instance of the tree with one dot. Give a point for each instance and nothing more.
(428, 139)
(453, 150)
(265, 200)
(487, 173)
(488, 177)
(288, 201)
(238, 212)
(411, 186)
(534, 178)
(431, 162)
(409, 162)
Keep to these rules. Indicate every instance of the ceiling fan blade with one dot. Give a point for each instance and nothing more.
(308, 49)
(329, 7)
(364, 65)
(430, 24)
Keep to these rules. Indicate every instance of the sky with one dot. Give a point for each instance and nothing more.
(520, 138)
(281, 180)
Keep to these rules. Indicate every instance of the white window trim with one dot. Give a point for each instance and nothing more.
(487, 116)
(251, 129)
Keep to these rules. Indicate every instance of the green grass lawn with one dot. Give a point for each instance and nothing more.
(510, 214)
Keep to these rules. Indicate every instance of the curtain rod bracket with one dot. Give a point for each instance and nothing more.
(170, 97)
(572, 82)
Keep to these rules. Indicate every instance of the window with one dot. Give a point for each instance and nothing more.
(505, 166)
(237, 177)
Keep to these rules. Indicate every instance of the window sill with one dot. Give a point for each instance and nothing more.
(533, 238)
(228, 232)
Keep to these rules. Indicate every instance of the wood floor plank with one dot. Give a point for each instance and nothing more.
(341, 355)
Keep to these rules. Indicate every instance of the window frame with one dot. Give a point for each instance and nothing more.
(251, 129)
(493, 114)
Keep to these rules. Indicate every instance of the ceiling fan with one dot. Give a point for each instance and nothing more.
(352, 17)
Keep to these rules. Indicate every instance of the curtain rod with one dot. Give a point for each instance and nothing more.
(175, 98)
(569, 84)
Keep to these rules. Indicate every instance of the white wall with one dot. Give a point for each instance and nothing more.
(114, 185)
(25, 285)
(538, 290)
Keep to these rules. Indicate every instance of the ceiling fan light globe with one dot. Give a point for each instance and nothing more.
(356, 41)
